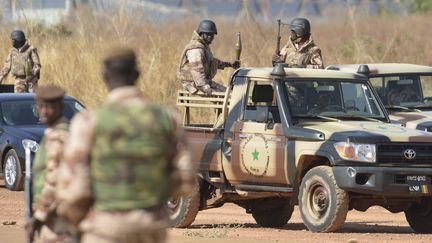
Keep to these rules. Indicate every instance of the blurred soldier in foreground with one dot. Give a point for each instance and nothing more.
(45, 223)
(198, 66)
(23, 61)
(300, 51)
(123, 162)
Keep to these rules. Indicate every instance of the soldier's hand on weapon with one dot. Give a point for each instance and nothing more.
(31, 227)
(235, 64)
(276, 58)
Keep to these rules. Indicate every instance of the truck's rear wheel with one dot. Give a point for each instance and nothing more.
(183, 210)
(419, 217)
(273, 217)
(323, 205)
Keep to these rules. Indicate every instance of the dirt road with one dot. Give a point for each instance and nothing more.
(231, 224)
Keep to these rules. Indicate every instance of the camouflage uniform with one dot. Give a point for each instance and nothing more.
(198, 67)
(22, 62)
(306, 54)
(45, 171)
(138, 159)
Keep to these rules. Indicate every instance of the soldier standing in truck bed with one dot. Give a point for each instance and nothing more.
(23, 60)
(198, 66)
(300, 51)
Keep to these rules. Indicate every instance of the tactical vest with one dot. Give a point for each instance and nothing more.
(209, 63)
(22, 62)
(131, 158)
(302, 56)
(39, 165)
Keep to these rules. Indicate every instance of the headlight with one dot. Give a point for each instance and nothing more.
(30, 144)
(357, 152)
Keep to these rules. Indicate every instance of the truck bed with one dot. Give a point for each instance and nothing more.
(205, 144)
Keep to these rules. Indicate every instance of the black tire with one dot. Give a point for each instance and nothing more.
(419, 217)
(273, 217)
(13, 176)
(183, 210)
(323, 205)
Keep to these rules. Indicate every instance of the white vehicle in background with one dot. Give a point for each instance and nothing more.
(404, 89)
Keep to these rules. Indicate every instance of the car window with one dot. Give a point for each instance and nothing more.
(24, 112)
(261, 103)
(408, 90)
(71, 108)
(426, 83)
(377, 83)
(332, 98)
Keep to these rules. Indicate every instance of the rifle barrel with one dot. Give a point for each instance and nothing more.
(278, 38)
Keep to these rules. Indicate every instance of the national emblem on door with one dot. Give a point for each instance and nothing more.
(255, 157)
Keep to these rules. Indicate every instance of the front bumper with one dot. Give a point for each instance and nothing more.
(383, 181)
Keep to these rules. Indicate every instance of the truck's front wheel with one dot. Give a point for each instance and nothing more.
(323, 205)
(183, 210)
(419, 217)
(273, 217)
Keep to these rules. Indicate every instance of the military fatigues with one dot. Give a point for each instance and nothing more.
(138, 159)
(306, 55)
(198, 67)
(45, 169)
(25, 66)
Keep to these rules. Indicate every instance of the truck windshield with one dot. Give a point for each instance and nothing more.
(334, 99)
(404, 91)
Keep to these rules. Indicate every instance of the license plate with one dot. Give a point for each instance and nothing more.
(419, 184)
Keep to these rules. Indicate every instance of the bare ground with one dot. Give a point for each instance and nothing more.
(231, 224)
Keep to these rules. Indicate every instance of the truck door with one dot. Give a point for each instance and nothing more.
(258, 146)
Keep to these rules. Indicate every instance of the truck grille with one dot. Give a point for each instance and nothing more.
(395, 153)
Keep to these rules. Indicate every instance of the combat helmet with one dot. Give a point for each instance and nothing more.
(18, 35)
(301, 27)
(207, 26)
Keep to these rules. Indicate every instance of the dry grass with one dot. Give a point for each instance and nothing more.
(73, 61)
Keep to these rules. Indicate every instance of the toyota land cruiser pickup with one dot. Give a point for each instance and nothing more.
(318, 139)
(405, 89)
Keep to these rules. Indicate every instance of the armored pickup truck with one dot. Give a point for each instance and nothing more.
(318, 139)
(405, 89)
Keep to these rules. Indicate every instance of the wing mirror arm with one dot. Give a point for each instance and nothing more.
(270, 124)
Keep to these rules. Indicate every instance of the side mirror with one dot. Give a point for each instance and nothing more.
(270, 124)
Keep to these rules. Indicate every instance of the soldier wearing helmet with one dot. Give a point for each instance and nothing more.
(300, 51)
(198, 66)
(23, 60)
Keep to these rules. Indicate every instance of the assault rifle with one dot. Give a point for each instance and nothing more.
(278, 38)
